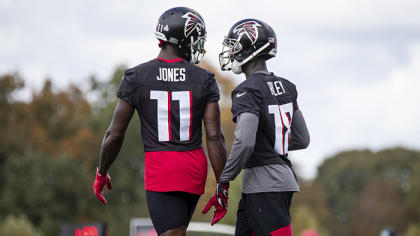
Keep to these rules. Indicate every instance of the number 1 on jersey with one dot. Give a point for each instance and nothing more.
(164, 99)
(185, 113)
(282, 121)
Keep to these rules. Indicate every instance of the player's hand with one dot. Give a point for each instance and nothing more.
(99, 184)
(220, 201)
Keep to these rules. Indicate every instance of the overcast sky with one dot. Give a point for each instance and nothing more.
(356, 63)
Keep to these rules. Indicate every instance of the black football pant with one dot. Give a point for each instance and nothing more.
(264, 214)
(170, 210)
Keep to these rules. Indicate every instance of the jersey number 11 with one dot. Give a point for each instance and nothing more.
(164, 113)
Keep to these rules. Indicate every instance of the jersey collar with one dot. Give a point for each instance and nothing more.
(263, 72)
(170, 61)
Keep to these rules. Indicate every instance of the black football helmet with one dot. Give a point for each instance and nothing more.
(184, 28)
(247, 39)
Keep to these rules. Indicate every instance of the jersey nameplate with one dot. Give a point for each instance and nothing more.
(276, 88)
(171, 74)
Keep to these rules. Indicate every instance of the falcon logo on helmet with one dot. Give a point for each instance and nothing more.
(192, 22)
(249, 28)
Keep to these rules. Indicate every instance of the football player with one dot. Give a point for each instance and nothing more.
(269, 124)
(172, 97)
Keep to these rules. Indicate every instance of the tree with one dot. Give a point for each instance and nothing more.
(46, 190)
(363, 187)
(17, 226)
(50, 147)
(303, 218)
(413, 230)
(11, 114)
(309, 209)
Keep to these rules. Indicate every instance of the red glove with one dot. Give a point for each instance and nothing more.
(220, 201)
(99, 184)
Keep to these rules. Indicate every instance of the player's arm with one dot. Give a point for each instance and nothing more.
(242, 147)
(214, 138)
(299, 138)
(111, 146)
(114, 136)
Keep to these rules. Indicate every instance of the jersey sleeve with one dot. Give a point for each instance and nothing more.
(295, 95)
(128, 88)
(242, 146)
(245, 100)
(212, 93)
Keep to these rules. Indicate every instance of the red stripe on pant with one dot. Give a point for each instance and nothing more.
(283, 231)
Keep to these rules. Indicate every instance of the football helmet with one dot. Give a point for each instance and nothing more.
(247, 39)
(184, 28)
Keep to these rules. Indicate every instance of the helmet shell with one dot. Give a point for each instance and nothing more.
(249, 35)
(178, 24)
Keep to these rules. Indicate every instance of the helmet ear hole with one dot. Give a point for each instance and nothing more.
(238, 57)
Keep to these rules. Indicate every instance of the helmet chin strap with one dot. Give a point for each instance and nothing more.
(196, 55)
(237, 66)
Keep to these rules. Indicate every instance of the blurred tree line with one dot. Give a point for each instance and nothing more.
(49, 149)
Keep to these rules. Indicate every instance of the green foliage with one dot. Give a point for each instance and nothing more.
(363, 190)
(17, 226)
(44, 189)
(309, 209)
(304, 218)
(11, 113)
(9, 83)
(49, 149)
(104, 91)
(413, 230)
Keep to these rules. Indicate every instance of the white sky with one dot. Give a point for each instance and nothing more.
(356, 63)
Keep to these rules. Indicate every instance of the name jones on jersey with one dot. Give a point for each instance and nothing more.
(171, 74)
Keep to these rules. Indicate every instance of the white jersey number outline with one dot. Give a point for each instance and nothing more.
(283, 115)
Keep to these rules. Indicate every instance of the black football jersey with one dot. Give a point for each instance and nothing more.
(170, 98)
(273, 100)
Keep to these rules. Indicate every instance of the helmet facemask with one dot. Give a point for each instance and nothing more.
(230, 48)
(197, 47)
(233, 55)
